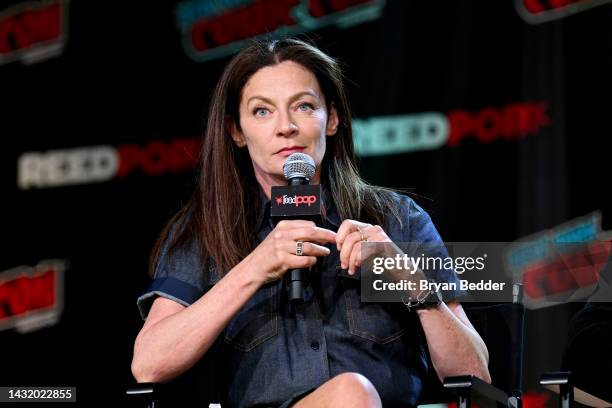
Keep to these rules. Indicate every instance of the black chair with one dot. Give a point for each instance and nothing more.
(193, 388)
(178, 393)
(561, 383)
(500, 325)
(587, 359)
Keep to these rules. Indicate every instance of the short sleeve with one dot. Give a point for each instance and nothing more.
(421, 227)
(424, 240)
(178, 277)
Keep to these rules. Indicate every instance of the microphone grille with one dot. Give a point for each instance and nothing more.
(299, 165)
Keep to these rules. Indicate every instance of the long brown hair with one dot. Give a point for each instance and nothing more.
(220, 217)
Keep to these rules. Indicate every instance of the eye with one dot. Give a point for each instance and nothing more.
(261, 112)
(305, 107)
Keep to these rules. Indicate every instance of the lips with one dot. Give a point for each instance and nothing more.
(290, 150)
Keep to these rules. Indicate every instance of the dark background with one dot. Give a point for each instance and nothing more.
(123, 77)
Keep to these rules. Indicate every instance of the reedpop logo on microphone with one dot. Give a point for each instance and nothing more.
(296, 200)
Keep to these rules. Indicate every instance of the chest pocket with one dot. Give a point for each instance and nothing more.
(257, 322)
(381, 323)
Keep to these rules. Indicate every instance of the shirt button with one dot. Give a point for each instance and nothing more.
(314, 345)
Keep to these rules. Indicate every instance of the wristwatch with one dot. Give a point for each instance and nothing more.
(424, 300)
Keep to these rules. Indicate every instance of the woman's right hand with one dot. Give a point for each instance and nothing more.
(277, 253)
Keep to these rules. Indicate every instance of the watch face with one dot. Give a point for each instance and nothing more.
(432, 299)
(437, 297)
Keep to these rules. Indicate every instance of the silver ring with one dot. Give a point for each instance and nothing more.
(299, 248)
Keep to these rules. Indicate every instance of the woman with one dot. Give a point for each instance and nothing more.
(218, 265)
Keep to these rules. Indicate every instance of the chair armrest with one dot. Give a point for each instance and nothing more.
(561, 383)
(556, 378)
(464, 384)
(142, 391)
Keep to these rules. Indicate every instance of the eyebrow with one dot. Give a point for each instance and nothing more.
(291, 99)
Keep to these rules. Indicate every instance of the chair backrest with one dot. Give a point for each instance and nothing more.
(501, 326)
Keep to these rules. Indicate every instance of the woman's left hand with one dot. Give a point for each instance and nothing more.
(349, 237)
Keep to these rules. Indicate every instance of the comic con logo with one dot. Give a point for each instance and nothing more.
(561, 264)
(214, 29)
(33, 31)
(296, 200)
(31, 297)
(542, 11)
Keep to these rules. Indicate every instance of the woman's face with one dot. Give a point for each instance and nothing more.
(282, 111)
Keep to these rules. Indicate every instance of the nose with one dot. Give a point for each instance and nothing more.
(286, 125)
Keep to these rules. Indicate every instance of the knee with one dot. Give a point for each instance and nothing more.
(356, 391)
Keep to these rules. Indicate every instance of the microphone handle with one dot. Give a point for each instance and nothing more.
(296, 276)
(296, 285)
(298, 181)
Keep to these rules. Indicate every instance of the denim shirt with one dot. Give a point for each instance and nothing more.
(271, 352)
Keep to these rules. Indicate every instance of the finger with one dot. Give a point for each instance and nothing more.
(284, 224)
(308, 249)
(355, 257)
(313, 234)
(367, 250)
(347, 247)
(346, 228)
(299, 262)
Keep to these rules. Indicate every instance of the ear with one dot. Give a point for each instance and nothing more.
(236, 134)
(332, 121)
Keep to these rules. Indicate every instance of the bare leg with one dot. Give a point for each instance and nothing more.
(344, 390)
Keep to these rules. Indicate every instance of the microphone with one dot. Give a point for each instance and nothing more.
(299, 168)
(298, 200)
